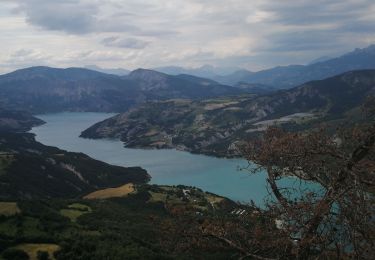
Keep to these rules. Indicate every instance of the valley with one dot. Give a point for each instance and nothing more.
(57, 204)
(173, 201)
(165, 129)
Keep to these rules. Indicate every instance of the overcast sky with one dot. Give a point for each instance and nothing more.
(252, 34)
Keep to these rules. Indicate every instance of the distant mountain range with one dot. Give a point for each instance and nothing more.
(163, 86)
(215, 126)
(205, 71)
(285, 76)
(293, 75)
(45, 89)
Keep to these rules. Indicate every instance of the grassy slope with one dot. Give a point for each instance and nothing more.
(121, 191)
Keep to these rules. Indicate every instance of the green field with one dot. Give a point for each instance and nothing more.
(75, 210)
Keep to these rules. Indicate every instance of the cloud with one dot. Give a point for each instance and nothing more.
(71, 16)
(129, 43)
(253, 34)
(22, 58)
(24, 55)
(81, 17)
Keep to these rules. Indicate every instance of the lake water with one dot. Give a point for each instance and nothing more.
(171, 167)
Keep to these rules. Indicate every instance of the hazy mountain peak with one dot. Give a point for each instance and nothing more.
(146, 74)
(293, 75)
(320, 59)
(115, 71)
(204, 71)
(72, 73)
(368, 50)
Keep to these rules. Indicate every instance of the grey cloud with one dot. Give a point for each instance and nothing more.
(118, 25)
(70, 16)
(358, 27)
(21, 53)
(81, 17)
(261, 33)
(318, 26)
(27, 57)
(306, 12)
(130, 43)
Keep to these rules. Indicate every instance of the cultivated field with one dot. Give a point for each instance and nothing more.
(9, 209)
(32, 249)
(111, 192)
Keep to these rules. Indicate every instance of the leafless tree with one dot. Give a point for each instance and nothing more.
(336, 220)
(328, 214)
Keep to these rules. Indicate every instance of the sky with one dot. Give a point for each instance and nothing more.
(251, 34)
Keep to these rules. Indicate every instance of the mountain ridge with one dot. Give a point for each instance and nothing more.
(44, 89)
(293, 75)
(215, 126)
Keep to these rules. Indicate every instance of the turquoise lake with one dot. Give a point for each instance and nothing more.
(171, 167)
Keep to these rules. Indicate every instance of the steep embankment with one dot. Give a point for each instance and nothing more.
(17, 121)
(31, 170)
